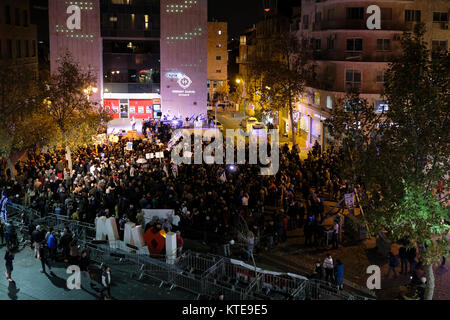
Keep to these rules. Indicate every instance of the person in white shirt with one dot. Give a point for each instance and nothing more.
(329, 267)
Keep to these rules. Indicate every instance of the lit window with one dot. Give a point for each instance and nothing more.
(329, 102)
(220, 32)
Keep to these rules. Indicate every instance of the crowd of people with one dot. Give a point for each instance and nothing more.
(216, 204)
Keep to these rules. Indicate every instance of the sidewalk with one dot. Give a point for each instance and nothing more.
(31, 284)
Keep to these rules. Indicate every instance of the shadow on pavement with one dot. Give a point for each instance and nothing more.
(12, 291)
(57, 281)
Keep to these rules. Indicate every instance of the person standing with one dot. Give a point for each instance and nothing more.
(9, 257)
(411, 256)
(393, 263)
(402, 253)
(180, 243)
(106, 282)
(335, 238)
(43, 254)
(339, 274)
(52, 245)
(328, 266)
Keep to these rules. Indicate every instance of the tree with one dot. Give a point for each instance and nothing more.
(354, 125)
(407, 154)
(23, 125)
(75, 116)
(283, 70)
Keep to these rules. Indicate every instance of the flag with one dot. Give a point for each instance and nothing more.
(223, 177)
(3, 202)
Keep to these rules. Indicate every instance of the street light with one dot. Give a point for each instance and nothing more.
(238, 81)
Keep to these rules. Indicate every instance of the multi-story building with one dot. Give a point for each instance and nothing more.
(149, 55)
(348, 54)
(217, 57)
(18, 38)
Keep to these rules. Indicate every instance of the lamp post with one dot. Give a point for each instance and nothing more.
(89, 91)
(238, 81)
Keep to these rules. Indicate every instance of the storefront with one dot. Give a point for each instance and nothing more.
(138, 106)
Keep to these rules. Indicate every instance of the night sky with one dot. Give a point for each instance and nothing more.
(242, 14)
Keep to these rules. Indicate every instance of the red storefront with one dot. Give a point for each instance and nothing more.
(127, 106)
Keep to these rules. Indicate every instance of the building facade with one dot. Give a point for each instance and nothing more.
(149, 55)
(217, 70)
(18, 38)
(348, 54)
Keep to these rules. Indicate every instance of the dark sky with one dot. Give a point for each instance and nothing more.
(240, 14)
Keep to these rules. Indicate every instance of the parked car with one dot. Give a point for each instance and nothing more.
(252, 123)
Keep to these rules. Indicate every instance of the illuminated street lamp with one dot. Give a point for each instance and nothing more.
(89, 91)
(238, 81)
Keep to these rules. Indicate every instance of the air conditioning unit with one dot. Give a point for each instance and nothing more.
(444, 25)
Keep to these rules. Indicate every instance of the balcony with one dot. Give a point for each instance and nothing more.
(343, 24)
(334, 55)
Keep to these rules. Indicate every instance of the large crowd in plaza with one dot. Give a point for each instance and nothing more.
(108, 180)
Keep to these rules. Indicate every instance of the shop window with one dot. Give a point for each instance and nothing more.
(132, 110)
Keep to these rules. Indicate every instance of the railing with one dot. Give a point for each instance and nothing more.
(205, 275)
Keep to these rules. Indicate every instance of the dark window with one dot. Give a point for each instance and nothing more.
(412, 15)
(440, 16)
(305, 22)
(27, 48)
(218, 71)
(7, 14)
(331, 14)
(330, 43)
(354, 44)
(384, 44)
(25, 18)
(33, 52)
(386, 13)
(316, 44)
(9, 48)
(17, 17)
(439, 44)
(355, 13)
(1, 53)
(352, 79)
(380, 76)
(19, 49)
(218, 58)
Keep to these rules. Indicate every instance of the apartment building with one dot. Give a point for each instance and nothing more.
(18, 38)
(348, 54)
(217, 57)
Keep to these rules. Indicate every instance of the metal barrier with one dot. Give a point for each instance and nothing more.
(206, 275)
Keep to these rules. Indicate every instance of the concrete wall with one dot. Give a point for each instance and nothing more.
(183, 57)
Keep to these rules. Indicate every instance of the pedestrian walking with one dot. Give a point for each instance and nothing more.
(339, 274)
(318, 271)
(393, 263)
(328, 266)
(106, 282)
(411, 256)
(83, 263)
(9, 257)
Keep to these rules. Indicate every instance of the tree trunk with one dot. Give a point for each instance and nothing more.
(69, 157)
(11, 167)
(429, 291)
